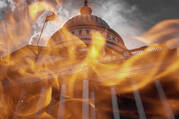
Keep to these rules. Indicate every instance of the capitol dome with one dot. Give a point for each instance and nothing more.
(82, 27)
(86, 20)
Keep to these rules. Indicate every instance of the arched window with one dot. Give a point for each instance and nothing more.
(80, 32)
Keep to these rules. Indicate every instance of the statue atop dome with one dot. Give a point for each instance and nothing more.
(86, 10)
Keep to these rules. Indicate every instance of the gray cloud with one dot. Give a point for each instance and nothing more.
(129, 18)
(121, 16)
(5, 6)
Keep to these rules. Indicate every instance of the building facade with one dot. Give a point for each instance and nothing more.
(46, 83)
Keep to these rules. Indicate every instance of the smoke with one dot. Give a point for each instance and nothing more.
(117, 13)
(124, 18)
(64, 14)
(129, 18)
(121, 17)
(4, 5)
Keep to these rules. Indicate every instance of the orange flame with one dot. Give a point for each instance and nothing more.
(163, 31)
(38, 7)
(37, 76)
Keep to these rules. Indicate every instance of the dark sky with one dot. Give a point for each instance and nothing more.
(156, 10)
(130, 18)
(152, 10)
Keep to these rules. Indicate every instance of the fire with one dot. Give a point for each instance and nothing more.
(164, 31)
(38, 7)
(29, 105)
(31, 85)
(98, 43)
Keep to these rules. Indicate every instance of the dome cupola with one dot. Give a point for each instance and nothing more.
(86, 19)
(86, 10)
